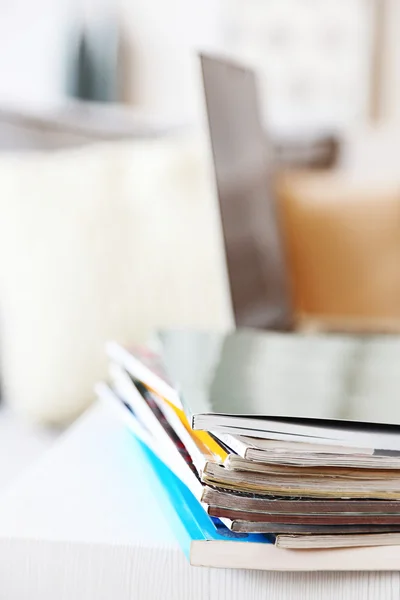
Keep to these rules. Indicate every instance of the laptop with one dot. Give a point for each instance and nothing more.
(257, 270)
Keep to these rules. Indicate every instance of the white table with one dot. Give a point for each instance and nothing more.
(77, 526)
(21, 445)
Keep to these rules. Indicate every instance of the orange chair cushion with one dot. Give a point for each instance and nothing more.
(342, 239)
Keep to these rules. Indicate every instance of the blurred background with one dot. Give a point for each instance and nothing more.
(109, 222)
(322, 64)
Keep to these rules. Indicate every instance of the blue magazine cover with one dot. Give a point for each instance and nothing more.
(184, 512)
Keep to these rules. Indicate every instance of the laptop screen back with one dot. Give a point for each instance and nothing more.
(253, 246)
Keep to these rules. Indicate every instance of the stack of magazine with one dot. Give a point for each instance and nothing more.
(268, 438)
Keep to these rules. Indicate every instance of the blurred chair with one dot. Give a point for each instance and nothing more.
(105, 241)
(342, 236)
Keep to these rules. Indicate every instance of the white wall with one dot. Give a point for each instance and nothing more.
(163, 37)
(313, 57)
(390, 81)
(32, 47)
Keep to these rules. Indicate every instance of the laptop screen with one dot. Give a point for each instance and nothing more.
(254, 253)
